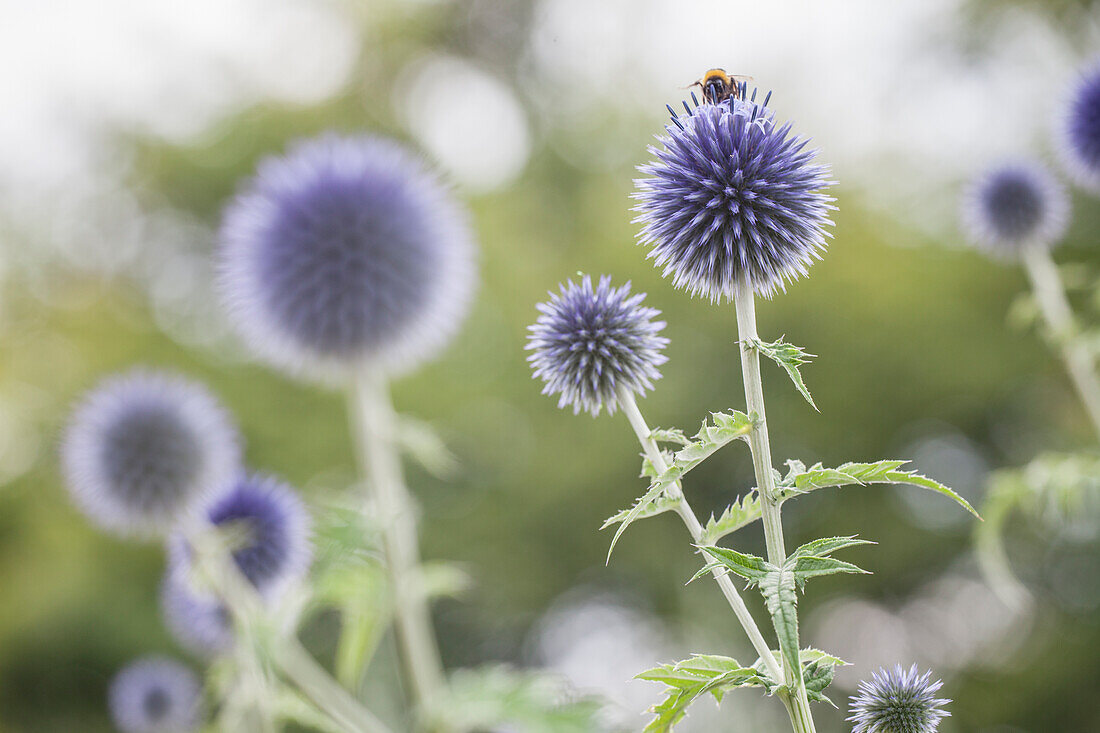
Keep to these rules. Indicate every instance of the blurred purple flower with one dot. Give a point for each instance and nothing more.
(274, 524)
(898, 701)
(144, 449)
(346, 250)
(155, 695)
(732, 193)
(1013, 206)
(1080, 130)
(200, 623)
(588, 343)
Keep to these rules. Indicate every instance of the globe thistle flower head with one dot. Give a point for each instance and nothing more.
(730, 193)
(898, 701)
(274, 548)
(1080, 130)
(144, 449)
(1013, 206)
(591, 342)
(155, 695)
(345, 251)
(199, 622)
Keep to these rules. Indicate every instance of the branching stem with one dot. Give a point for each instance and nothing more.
(740, 610)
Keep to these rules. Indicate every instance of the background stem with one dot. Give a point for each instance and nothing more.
(634, 415)
(1051, 297)
(744, 304)
(374, 425)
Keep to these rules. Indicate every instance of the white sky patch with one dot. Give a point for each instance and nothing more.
(470, 122)
(71, 70)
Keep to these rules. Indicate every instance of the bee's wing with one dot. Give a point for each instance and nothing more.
(740, 77)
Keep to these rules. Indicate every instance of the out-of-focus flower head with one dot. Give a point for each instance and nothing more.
(144, 449)
(729, 194)
(898, 701)
(199, 622)
(1013, 206)
(346, 251)
(1079, 132)
(155, 695)
(590, 342)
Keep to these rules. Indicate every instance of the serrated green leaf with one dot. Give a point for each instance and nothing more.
(790, 357)
(817, 477)
(738, 514)
(659, 506)
(750, 567)
(828, 545)
(669, 435)
(805, 567)
(723, 428)
(778, 589)
(693, 678)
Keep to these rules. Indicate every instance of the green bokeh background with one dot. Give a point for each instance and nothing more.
(908, 332)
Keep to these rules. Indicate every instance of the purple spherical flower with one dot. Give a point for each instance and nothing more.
(1080, 130)
(589, 343)
(144, 449)
(198, 621)
(732, 194)
(346, 251)
(1014, 206)
(155, 695)
(898, 701)
(273, 524)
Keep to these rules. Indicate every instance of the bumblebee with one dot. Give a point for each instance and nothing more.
(718, 86)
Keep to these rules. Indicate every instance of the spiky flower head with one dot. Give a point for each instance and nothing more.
(144, 449)
(155, 695)
(199, 622)
(898, 701)
(732, 194)
(1080, 130)
(591, 342)
(1013, 206)
(345, 251)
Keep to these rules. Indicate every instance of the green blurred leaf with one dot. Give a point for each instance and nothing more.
(420, 442)
(497, 696)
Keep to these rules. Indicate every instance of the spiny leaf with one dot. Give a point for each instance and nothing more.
(723, 428)
(692, 678)
(669, 435)
(750, 567)
(790, 357)
(828, 545)
(805, 567)
(778, 589)
(659, 506)
(804, 481)
(738, 514)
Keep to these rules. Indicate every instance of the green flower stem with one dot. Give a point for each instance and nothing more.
(374, 424)
(744, 304)
(740, 610)
(288, 654)
(1051, 296)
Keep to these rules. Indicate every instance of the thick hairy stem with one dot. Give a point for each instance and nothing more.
(1056, 310)
(633, 414)
(374, 424)
(744, 303)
